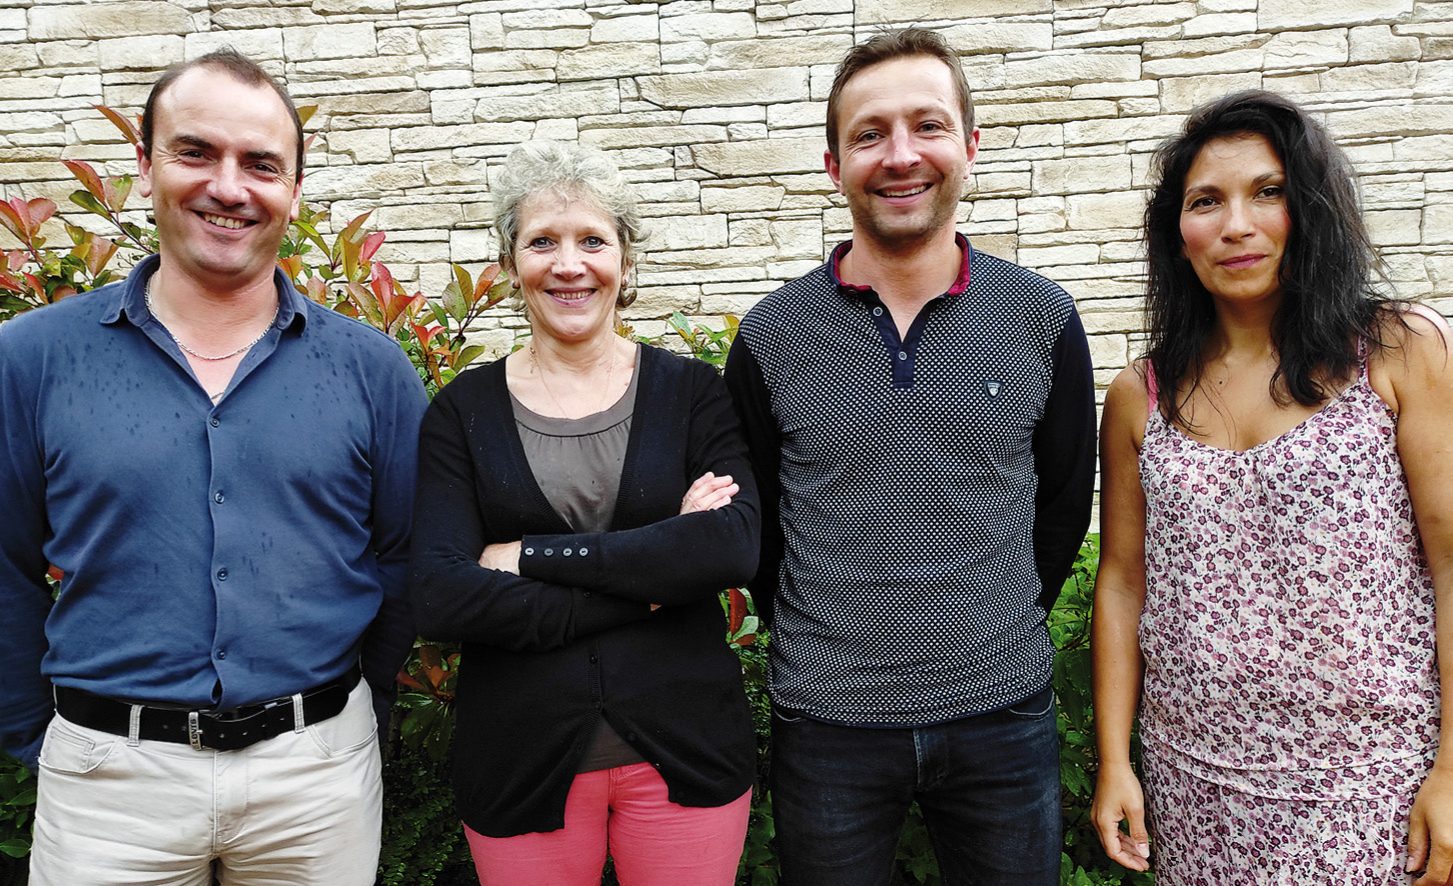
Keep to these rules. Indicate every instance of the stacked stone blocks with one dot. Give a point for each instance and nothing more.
(715, 110)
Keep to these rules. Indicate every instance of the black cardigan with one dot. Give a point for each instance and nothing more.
(573, 638)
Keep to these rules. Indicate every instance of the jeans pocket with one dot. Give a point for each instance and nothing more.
(349, 729)
(1036, 706)
(72, 753)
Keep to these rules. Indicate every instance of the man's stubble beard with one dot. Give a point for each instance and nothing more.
(903, 234)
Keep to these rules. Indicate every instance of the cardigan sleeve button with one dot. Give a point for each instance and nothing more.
(529, 552)
(567, 552)
(549, 552)
(584, 551)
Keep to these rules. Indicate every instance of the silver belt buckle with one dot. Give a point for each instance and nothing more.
(194, 730)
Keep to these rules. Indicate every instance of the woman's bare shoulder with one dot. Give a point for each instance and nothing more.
(1127, 401)
(1130, 385)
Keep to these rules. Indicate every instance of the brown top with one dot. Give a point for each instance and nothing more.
(577, 463)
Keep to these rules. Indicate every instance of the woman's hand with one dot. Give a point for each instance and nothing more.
(1118, 798)
(1430, 832)
(708, 493)
(504, 557)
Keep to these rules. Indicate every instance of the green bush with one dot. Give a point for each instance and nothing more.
(1083, 862)
(17, 808)
(423, 844)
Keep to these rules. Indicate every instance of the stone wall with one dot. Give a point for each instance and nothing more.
(715, 108)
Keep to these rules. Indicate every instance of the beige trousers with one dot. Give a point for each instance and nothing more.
(298, 809)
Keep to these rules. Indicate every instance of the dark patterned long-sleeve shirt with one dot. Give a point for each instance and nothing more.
(923, 496)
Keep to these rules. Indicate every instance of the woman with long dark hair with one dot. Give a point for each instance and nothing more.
(1277, 531)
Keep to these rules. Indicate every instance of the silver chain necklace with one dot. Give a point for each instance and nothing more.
(208, 357)
(606, 391)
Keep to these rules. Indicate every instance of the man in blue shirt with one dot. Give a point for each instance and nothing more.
(223, 471)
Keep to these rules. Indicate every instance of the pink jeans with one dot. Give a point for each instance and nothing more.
(653, 841)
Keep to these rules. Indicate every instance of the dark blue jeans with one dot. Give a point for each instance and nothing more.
(988, 787)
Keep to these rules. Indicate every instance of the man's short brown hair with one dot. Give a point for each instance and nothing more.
(891, 45)
(242, 69)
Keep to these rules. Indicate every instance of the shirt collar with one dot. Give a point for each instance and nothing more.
(959, 287)
(131, 302)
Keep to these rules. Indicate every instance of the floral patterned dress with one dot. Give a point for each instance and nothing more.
(1291, 704)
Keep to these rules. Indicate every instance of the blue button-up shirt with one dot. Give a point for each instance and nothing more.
(214, 555)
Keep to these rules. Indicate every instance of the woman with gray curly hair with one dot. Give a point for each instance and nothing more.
(576, 545)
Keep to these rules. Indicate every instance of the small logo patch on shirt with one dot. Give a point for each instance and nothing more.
(992, 387)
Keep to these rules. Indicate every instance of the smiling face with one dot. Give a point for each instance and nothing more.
(903, 155)
(220, 178)
(1234, 219)
(568, 265)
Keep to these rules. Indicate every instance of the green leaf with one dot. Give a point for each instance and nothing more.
(468, 355)
(454, 299)
(1076, 782)
(15, 848)
(88, 202)
(121, 189)
(23, 798)
(497, 292)
(681, 326)
(311, 233)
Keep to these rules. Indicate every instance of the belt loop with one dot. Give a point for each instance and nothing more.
(298, 721)
(133, 728)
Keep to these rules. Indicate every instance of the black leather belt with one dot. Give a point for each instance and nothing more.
(219, 730)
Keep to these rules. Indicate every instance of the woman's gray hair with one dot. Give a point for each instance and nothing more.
(572, 170)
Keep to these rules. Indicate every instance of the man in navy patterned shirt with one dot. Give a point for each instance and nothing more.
(921, 419)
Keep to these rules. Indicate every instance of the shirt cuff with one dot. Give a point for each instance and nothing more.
(571, 560)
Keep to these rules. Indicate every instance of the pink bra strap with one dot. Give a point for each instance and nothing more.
(1151, 387)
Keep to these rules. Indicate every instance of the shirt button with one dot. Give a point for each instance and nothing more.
(594, 659)
(219, 498)
(586, 594)
(221, 653)
(877, 312)
(902, 355)
(549, 552)
(221, 574)
(529, 552)
(215, 421)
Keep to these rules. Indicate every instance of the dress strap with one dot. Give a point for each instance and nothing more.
(1152, 389)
